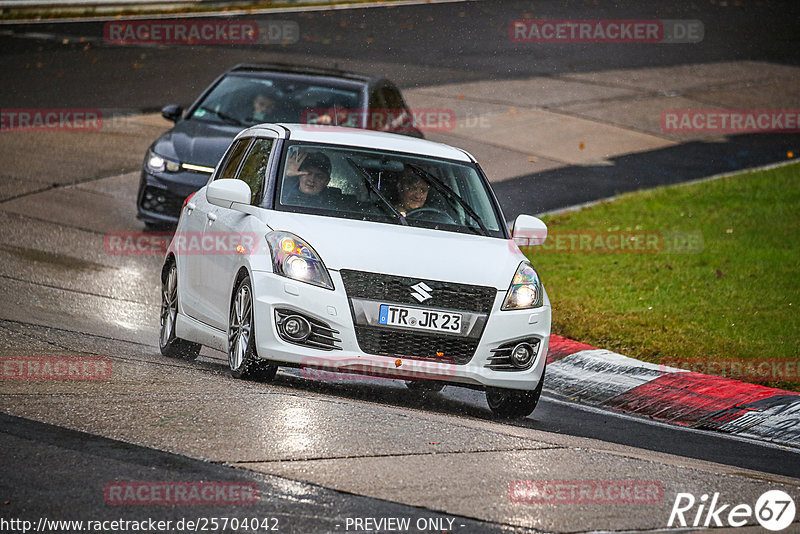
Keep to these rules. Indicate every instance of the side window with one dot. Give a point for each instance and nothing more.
(234, 158)
(393, 98)
(254, 169)
(376, 99)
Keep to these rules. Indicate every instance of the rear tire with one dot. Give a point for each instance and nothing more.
(242, 357)
(510, 403)
(170, 345)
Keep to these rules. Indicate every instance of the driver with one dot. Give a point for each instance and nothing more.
(412, 193)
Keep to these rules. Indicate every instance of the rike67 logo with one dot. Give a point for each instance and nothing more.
(774, 510)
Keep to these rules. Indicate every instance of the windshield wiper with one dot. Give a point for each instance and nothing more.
(367, 178)
(451, 195)
(223, 116)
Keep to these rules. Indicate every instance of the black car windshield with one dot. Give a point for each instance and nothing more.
(390, 187)
(245, 101)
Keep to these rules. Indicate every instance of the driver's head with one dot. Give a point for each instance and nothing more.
(412, 191)
(315, 173)
(263, 105)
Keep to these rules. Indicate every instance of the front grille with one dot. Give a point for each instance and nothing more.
(500, 360)
(161, 201)
(397, 289)
(384, 342)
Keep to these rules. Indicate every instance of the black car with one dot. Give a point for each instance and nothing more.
(180, 161)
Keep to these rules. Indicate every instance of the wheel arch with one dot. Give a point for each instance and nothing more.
(168, 262)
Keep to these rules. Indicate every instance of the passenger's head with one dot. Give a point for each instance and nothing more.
(412, 191)
(315, 173)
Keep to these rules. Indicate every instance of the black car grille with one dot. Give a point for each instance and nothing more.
(392, 289)
(397, 289)
(446, 349)
(161, 201)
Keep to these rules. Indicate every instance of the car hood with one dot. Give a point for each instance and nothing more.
(196, 142)
(405, 251)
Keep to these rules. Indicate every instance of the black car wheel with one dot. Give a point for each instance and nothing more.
(514, 402)
(170, 345)
(242, 357)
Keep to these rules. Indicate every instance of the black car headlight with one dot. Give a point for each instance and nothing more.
(156, 163)
(294, 258)
(525, 290)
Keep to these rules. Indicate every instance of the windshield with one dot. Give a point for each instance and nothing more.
(386, 187)
(244, 101)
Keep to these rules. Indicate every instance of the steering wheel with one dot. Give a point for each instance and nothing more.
(427, 213)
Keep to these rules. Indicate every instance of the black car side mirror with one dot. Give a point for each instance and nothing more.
(172, 112)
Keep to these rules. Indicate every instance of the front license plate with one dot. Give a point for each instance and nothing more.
(437, 321)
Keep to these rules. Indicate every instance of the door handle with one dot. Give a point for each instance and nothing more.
(211, 216)
(190, 206)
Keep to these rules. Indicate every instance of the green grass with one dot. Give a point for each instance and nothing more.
(735, 299)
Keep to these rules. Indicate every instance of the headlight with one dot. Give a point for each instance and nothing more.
(293, 258)
(156, 163)
(525, 290)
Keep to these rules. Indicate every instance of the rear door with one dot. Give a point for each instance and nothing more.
(194, 256)
(233, 234)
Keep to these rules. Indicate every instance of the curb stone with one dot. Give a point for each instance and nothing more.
(598, 377)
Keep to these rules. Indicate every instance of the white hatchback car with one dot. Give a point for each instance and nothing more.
(358, 252)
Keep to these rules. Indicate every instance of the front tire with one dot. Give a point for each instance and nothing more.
(242, 357)
(170, 345)
(510, 403)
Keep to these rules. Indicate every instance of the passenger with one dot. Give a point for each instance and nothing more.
(311, 188)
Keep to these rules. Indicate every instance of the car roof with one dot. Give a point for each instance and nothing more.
(339, 135)
(301, 70)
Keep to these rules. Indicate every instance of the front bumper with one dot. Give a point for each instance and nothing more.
(161, 196)
(333, 308)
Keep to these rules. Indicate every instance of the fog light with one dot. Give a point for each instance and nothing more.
(296, 328)
(522, 355)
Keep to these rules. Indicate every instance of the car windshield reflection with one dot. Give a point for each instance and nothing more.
(245, 101)
(386, 187)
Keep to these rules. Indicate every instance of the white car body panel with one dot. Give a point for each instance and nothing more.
(405, 251)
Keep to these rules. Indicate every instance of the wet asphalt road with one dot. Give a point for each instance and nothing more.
(61, 292)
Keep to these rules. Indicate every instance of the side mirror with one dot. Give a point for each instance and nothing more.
(228, 191)
(528, 231)
(172, 112)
